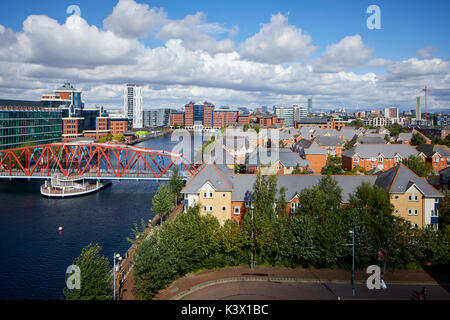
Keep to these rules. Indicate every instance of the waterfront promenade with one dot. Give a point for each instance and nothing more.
(125, 282)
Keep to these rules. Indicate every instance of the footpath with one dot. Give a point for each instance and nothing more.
(195, 281)
(125, 283)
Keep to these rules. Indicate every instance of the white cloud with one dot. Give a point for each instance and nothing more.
(277, 42)
(348, 53)
(134, 20)
(197, 34)
(45, 54)
(427, 52)
(73, 44)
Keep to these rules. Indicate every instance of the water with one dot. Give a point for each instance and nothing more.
(34, 255)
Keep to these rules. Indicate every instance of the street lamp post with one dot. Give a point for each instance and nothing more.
(352, 232)
(251, 263)
(118, 258)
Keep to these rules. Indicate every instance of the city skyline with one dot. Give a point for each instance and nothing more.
(282, 54)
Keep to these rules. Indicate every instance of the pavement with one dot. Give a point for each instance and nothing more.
(299, 290)
(310, 283)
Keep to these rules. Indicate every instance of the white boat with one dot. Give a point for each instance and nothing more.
(66, 187)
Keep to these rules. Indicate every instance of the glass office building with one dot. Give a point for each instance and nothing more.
(29, 124)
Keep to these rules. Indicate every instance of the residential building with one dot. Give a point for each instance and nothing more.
(227, 196)
(320, 123)
(132, 105)
(378, 121)
(437, 156)
(377, 156)
(156, 118)
(177, 119)
(276, 160)
(291, 114)
(391, 113)
(28, 122)
(405, 137)
(412, 197)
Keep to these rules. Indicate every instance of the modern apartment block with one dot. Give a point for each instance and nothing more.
(291, 114)
(132, 105)
(156, 118)
(28, 122)
(391, 113)
(310, 108)
(206, 117)
(321, 123)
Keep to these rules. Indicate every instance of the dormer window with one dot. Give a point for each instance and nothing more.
(356, 159)
(397, 159)
(380, 159)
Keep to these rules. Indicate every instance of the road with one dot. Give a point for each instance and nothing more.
(268, 290)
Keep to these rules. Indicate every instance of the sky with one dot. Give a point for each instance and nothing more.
(231, 53)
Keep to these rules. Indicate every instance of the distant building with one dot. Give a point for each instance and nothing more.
(132, 105)
(310, 105)
(66, 98)
(391, 113)
(418, 111)
(291, 114)
(156, 118)
(28, 122)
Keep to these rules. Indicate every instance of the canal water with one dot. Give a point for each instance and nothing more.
(34, 255)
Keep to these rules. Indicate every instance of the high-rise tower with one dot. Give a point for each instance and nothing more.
(132, 105)
(418, 112)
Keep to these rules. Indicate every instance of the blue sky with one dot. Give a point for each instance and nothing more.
(407, 26)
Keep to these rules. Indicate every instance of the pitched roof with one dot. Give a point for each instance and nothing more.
(208, 172)
(328, 141)
(429, 150)
(371, 139)
(314, 149)
(387, 150)
(400, 178)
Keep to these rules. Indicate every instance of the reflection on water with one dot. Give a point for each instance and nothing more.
(34, 255)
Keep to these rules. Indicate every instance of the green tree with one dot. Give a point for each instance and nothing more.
(163, 201)
(176, 184)
(420, 167)
(303, 245)
(245, 128)
(95, 276)
(347, 145)
(418, 139)
(356, 123)
(297, 169)
(444, 209)
(281, 204)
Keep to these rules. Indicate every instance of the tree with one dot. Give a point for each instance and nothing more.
(347, 146)
(297, 169)
(444, 210)
(356, 123)
(420, 167)
(303, 246)
(95, 276)
(418, 139)
(281, 204)
(162, 201)
(176, 184)
(245, 128)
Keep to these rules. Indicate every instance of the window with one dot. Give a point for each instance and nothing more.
(413, 198)
(436, 200)
(237, 210)
(355, 159)
(373, 166)
(397, 159)
(396, 211)
(380, 159)
(435, 213)
(224, 195)
(224, 208)
(413, 212)
(207, 195)
(436, 159)
(396, 197)
(210, 208)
